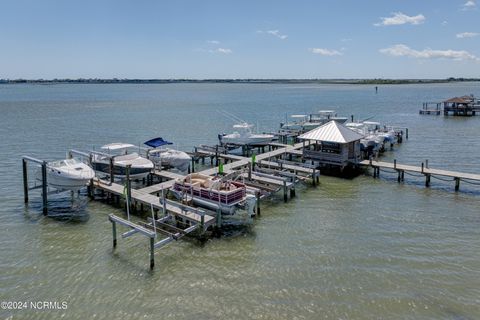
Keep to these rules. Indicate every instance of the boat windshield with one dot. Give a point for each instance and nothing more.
(64, 163)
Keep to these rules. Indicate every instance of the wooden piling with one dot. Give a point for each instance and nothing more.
(457, 184)
(25, 180)
(219, 218)
(285, 195)
(129, 186)
(314, 177)
(111, 170)
(257, 204)
(427, 180)
(152, 253)
(114, 233)
(44, 187)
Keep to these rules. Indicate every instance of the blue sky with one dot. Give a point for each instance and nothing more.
(239, 39)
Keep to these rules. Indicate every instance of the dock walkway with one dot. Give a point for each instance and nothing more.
(141, 196)
(423, 169)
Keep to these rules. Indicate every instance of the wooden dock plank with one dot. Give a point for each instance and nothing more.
(149, 199)
(289, 167)
(167, 174)
(158, 187)
(418, 169)
(270, 181)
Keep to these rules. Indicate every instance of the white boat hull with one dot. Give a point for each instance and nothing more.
(139, 167)
(171, 158)
(69, 177)
(260, 139)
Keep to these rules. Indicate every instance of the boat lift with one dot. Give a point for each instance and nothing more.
(157, 226)
(44, 186)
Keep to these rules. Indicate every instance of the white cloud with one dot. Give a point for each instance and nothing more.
(401, 50)
(275, 33)
(326, 52)
(213, 41)
(223, 50)
(469, 5)
(399, 18)
(444, 23)
(346, 39)
(467, 35)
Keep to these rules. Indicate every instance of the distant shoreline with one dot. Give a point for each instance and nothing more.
(253, 81)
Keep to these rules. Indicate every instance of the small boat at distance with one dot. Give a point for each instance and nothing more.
(304, 123)
(243, 136)
(67, 174)
(140, 167)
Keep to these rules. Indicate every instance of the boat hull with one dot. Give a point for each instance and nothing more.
(171, 158)
(120, 171)
(208, 204)
(62, 180)
(251, 141)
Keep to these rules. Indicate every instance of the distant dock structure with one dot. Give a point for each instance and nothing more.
(465, 106)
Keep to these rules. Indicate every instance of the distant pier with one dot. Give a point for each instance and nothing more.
(465, 106)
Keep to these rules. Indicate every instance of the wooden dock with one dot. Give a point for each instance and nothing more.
(423, 170)
(144, 197)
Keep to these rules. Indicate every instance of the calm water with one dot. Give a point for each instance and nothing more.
(349, 249)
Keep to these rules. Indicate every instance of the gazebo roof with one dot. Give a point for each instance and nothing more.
(464, 99)
(332, 132)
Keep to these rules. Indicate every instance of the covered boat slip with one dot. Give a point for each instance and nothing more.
(333, 144)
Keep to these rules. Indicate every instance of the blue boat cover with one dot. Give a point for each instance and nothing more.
(157, 142)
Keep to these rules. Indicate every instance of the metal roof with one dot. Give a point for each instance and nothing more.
(332, 132)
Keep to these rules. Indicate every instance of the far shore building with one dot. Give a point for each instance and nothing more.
(332, 144)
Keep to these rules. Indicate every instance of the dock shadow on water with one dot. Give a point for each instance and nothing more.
(233, 231)
(63, 207)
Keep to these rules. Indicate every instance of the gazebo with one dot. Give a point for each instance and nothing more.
(460, 106)
(332, 144)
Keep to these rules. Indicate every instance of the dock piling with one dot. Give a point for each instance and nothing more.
(114, 232)
(152, 253)
(111, 170)
(257, 204)
(457, 183)
(44, 187)
(25, 180)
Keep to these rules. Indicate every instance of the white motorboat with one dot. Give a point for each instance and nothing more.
(170, 158)
(296, 124)
(67, 174)
(166, 156)
(119, 152)
(214, 193)
(324, 116)
(244, 136)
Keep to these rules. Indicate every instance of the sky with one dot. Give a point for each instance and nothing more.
(208, 39)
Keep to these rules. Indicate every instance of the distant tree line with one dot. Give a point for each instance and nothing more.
(319, 81)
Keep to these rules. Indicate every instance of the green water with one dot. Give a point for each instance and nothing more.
(348, 249)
